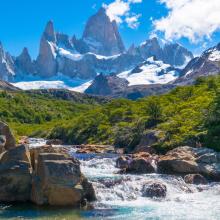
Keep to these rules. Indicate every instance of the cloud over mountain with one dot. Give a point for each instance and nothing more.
(120, 11)
(193, 19)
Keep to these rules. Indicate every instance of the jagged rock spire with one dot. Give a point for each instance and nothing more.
(46, 60)
(24, 62)
(102, 35)
(49, 32)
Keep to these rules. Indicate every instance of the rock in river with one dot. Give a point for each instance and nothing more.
(188, 160)
(154, 190)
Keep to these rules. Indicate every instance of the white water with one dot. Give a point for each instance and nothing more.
(120, 197)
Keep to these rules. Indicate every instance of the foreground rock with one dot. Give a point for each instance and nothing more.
(6, 134)
(56, 174)
(58, 181)
(15, 175)
(154, 190)
(45, 175)
(188, 160)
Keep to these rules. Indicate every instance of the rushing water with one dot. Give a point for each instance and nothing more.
(120, 197)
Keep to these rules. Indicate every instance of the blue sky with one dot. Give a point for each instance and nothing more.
(22, 22)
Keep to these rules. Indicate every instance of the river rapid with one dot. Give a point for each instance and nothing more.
(119, 196)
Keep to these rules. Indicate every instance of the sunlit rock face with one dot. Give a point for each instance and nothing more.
(102, 35)
(7, 70)
(46, 61)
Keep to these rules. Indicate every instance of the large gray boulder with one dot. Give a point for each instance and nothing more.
(15, 175)
(188, 160)
(58, 181)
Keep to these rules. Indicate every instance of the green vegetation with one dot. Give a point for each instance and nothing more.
(181, 117)
(187, 115)
(35, 114)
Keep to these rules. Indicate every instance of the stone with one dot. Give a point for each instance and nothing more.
(188, 160)
(15, 175)
(154, 190)
(139, 163)
(123, 162)
(54, 142)
(141, 166)
(10, 139)
(94, 149)
(57, 175)
(196, 179)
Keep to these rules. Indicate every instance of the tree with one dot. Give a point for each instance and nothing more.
(154, 111)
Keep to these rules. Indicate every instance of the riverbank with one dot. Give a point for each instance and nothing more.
(119, 196)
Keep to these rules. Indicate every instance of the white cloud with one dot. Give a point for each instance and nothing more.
(120, 11)
(193, 19)
(133, 21)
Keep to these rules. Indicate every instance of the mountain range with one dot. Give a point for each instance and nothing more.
(100, 60)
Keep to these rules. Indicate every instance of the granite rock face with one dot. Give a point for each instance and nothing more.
(107, 85)
(7, 69)
(99, 50)
(24, 63)
(207, 64)
(102, 35)
(46, 60)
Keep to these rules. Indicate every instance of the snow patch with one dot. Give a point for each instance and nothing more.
(69, 55)
(150, 73)
(57, 82)
(214, 56)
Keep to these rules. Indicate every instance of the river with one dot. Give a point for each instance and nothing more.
(120, 196)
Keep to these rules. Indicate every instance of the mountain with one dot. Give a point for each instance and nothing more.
(173, 54)
(46, 60)
(24, 64)
(102, 36)
(7, 86)
(7, 68)
(100, 50)
(107, 85)
(207, 64)
(147, 78)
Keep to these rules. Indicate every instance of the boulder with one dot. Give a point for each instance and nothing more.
(54, 142)
(154, 190)
(137, 163)
(147, 149)
(15, 175)
(57, 175)
(10, 140)
(188, 160)
(140, 166)
(123, 162)
(196, 179)
(94, 149)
